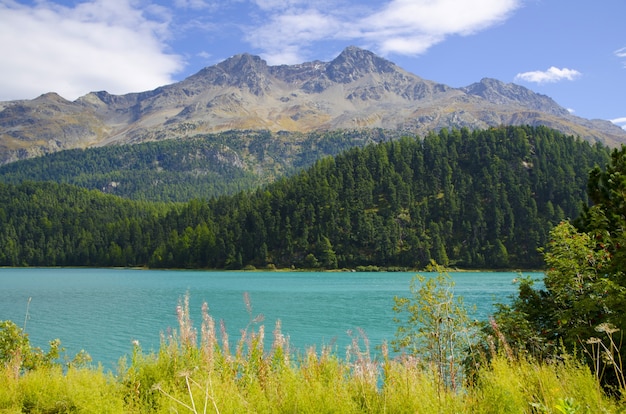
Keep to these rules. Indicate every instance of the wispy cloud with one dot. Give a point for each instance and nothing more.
(553, 74)
(621, 53)
(411, 27)
(286, 37)
(69, 49)
(407, 27)
(124, 45)
(620, 121)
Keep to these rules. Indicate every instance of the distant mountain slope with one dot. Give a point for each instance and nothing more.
(200, 166)
(355, 90)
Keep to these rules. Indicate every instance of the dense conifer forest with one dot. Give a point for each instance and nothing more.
(203, 166)
(473, 199)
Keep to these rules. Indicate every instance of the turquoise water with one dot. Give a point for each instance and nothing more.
(103, 310)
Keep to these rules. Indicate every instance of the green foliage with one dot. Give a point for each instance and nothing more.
(433, 326)
(17, 353)
(170, 170)
(198, 167)
(605, 219)
(14, 343)
(480, 199)
(571, 303)
(47, 224)
(575, 282)
(584, 288)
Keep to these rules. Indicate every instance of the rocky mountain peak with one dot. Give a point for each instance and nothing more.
(354, 63)
(500, 93)
(243, 63)
(244, 71)
(50, 97)
(102, 98)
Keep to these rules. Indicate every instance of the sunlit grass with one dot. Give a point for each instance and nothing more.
(204, 372)
(522, 386)
(53, 390)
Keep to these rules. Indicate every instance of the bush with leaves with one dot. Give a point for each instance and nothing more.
(17, 353)
(434, 327)
(584, 290)
(571, 303)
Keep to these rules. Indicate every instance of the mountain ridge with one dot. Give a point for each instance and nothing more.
(355, 90)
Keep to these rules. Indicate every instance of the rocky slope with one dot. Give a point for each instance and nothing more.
(355, 90)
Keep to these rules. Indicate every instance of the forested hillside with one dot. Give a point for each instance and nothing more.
(204, 166)
(482, 199)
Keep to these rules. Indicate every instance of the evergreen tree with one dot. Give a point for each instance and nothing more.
(582, 302)
(475, 199)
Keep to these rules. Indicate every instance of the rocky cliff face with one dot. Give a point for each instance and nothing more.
(355, 90)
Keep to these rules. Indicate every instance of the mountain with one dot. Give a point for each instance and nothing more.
(356, 90)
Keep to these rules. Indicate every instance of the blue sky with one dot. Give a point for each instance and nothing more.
(571, 50)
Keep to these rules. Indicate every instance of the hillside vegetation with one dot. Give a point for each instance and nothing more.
(203, 166)
(474, 199)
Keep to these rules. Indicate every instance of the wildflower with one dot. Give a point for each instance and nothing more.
(606, 328)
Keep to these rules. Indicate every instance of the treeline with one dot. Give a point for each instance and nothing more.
(481, 199)
(175, 170)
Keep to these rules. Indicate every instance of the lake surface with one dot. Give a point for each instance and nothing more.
(103, 310)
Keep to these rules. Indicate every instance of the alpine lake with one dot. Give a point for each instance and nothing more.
(104, 311)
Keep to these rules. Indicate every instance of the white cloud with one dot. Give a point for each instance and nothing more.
(412, 26)
(398, 26)
(122, 45)
(620, 122)
(621, 53)
(553, 74)
(108, 44)
(285, 37)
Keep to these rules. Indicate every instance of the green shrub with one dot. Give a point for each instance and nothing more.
(433, 325)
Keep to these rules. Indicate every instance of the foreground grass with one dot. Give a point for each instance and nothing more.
(204, 375)
(166, 383)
